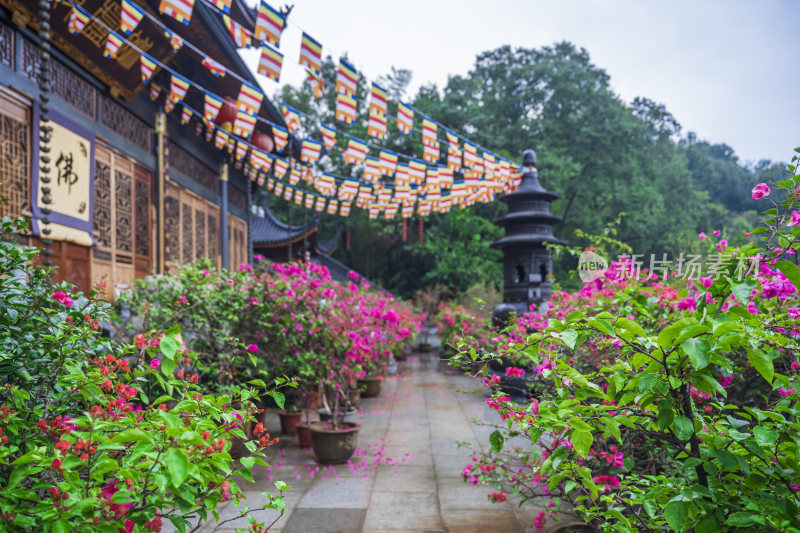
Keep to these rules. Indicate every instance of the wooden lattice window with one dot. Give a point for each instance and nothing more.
(187, 235)
(213, 233)
(123, 211)
(14, 157)
(142, 204)
(237, 246)
(200, 233)
(191, 227)
(6, 46)
(102, 204)
(172, 230)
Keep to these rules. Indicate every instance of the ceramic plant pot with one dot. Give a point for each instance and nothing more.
(303, 435)
(370, 388)
(354, 396)
(333, 446)
(325, 416)
(289, 421)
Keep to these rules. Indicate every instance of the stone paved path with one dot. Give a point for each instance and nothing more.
(406, 473)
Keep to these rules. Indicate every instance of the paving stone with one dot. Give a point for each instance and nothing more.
(405, 478)
(403, 510)
(352, 492)
(454, 493)
(343, 520)
(474, 521)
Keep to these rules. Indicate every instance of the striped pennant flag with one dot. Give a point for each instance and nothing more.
(372, 168)
(148, 66)
(405, 118)
(278, 189)
(294, 176)
(270, 63)
(317, 83)
(452, 138)
(198, 128)
(177, 88)
(78, 18)
(242, 37)
(269, 24)
(346, 108)
(356, 151)
(416, 170)
(378, 100)
(470, 154)
(388, 162)
(310, 151)
(344, 209)
(244, 124)
(328, 136)
(333, 206)
(223, 5)
(154, 92)
(309, 201)
(454, 158)
(130, 16)
(376, 127)
(348, 189)
(291, 117)
(408, 211)
(249, 99)
(186, 115)
(298, 197)
(216, 69)
(346, 79)
(320, 206)
(488, 165)
(113, 43)
(429, 132)
(326, 184)
(280, 167)
(310, 53)
(280, 136)
(211, 108)
(260, 159)
(241, 150)
(445, 177)
(401, 176)
(221, 139)
(270, 184)
(287, 193)
(180, 10)
(430, 153)
(175, 40)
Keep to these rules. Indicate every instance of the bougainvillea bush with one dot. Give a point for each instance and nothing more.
(668, 404)
(97, 435)
(277, 319)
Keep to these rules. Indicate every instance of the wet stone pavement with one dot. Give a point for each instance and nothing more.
(405, 474)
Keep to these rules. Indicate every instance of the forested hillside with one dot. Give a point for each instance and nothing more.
(601, 155)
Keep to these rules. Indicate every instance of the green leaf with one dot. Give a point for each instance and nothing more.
(761, 362)
(791, 271)
(496, 440)
(740, 519)
(697, 350)
(169, 346)
(132, 435)
(665, 414)
(676, 514)
(613, 428)
(743, 289)
(764, 436)
(682, 427)
(631, 326)
(581, 442)
(709, 524)
(568, 337)
(62, 526)
(177, 464)
(279, 398)
(280, 485)
(579, 424)
(17, 475)
(248, 462)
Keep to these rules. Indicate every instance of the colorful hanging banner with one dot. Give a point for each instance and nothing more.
(186, 115)
(356, 151)
(345, 108)
(429, 132)
(328, 136)
(280, 136)
(249, 99)
(177, 88)
(180, 10)
(216, 69)
(223, 5)
(270, 63)
(291, 117)
(378, 100)
(77, 20)
(317, 83)
(310, 53)
(376, 127)
(241, 36)
(211, 108)
(269, 24)
(388, 162)
(405, 118)
(453, 158)
(113, 43)
(174, 40)
(154, 92)
(430, 153)
(310, 151)
(130, 16)
(470, 154)
(148, 66)
(280, 166)
(244, 124)
(452, 138)
(346, 79)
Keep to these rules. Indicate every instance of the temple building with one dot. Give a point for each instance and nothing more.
(135, 189)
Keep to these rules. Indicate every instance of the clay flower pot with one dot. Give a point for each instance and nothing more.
(370, 388)
(289, 421)
(354, 395)
(325, 416)
(332, 446)
(303, 435)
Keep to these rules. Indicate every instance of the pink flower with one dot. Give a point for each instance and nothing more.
(795, 365)
(514, 372)
(702, 236)
(258, 257)
(206, 272)
(539, 521)
(62, 297)
(155, 363)
(722, 244)
(353, 275)
(760, 191)
(229, 282)
(707, 282)
(795, 219)
(785, 392)
(751, 308)
(252, 348)
(716, 233)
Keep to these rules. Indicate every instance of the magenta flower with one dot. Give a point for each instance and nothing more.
(795, 219)
(229, 282)
(760, 191)
(206, 272)
(252, 348)
(155, 363)
(794, 312)
(716, 233)
(62, 297)
(702, 236)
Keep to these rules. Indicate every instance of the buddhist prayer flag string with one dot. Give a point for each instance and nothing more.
(291, 117)
(317, 83)
(130, 16)
(113, 43)
(180, 10)
(211, 108)
(223, 5)
(241, 36)
(177, 88)
(310, 53)
(148, 66)
(249, 99)
(405, 118)
(269, 25)
(328, 136)
(215, 68)
(270, 63)
(345, 108)
(346, 79)
(77, 20)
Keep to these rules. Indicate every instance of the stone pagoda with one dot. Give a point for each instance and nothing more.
(526, 261)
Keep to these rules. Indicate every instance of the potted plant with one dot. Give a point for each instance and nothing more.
(334, 441)
(290, 417)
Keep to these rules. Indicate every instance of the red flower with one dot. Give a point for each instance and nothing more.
(107, 385)
(56, 464)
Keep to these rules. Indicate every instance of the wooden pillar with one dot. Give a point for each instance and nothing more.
(161, 183)
(223, 214)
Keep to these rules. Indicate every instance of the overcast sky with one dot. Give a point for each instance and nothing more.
(727, 70)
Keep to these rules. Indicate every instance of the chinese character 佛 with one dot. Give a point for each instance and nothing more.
(65, 172)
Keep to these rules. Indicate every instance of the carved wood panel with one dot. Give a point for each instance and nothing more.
(6, 46)
(123, 211)
(200, 233)
(14, 157)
